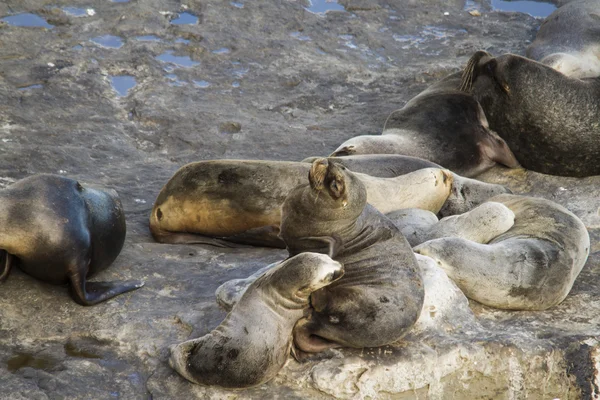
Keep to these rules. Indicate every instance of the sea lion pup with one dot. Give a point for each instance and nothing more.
(253, 342)
(380, 296)
(442, 125)
(532, 266)
(569, 40)
(550, 121)
(481, 224)
(58, 231)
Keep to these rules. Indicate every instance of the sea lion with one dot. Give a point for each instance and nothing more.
(532, 266)
(227, 202)
(481, 224)
(253, 342)
(442, 125)
(550, 121)
(381, 165)
(380, 296)
(58, 231)
(569, 40)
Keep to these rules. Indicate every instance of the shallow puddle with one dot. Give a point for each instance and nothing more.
(180, 61)
(182, 40)
(27, 20)
(36, 86)
(533, 8)
(322, 6)
(185, 19)
(222, 50)
(22, 360)
(201, 84)
(236, 4)
(78, 12)
(122, 83)
(108, 41)
(174, 80)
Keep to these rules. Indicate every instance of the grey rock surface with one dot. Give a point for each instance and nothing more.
(270, 80)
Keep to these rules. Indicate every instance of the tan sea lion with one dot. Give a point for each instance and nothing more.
(58, 231)
(222, 202)
(532, 266)
(253, 342)
(380, 296)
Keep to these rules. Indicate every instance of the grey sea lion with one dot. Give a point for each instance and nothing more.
(550, 121)
(225, 202)
(443, 125)
(532, 266)
(380, 296)
(569, 40)
(58, 231)
(253, 342)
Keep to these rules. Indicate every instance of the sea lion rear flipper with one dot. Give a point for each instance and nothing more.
(91, 293)
(8, 262)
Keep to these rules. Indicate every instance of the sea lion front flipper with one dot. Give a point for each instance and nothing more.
(192, 238)
(91, 293)
(496, 149)
(8, 262)
(307, 342)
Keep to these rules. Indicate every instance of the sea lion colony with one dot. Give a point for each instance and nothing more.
(352, 278)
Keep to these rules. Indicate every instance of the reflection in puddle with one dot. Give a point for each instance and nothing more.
(182, 40)
(27, 20)
(78, 12)
(180, 61)
(533, 8)
(222, 50)
(322, 6)
(300, 36)
(36, 86)
(122, 84)
(185, 18)
(22, 360)
(108, 41)
(201, 84)
(148, 38)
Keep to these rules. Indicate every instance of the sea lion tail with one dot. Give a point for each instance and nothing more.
(6, 261)
(470, 72)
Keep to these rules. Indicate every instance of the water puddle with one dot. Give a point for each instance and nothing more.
(77, 47)
(22, 360)
(148, 38)
(173, 60)
(27, 20)
(236, 4)
(121, 84)
(300, 36)
(222, 50)
(185, 19)
(108, 41)
(533, 8)
(322, 6)
(79, 12)
(235, 84)
(36, 86)
(201, 84)
(182, 40)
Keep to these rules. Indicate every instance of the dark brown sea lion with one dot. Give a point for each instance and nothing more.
(569, 40)
(380, 296)
(442, 125)
(58, 231)
(253, 342)
(532, 266)
(551, 122)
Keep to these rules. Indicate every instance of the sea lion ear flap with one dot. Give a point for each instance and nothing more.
(472, 69)
(317, 174)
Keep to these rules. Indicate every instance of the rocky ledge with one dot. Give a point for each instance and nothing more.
(122, 93)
